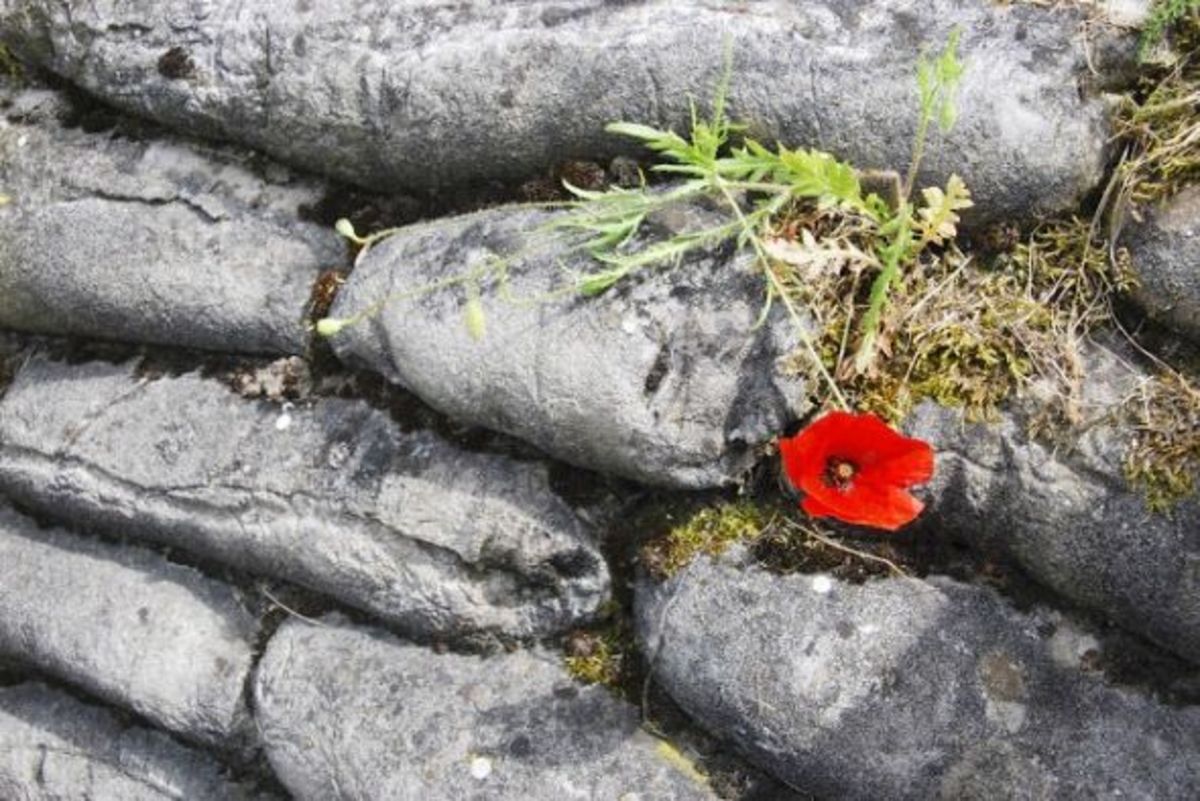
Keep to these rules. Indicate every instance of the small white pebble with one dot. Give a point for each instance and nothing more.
(822, 585)
(868, 628)
(284, 421)
(481, 768)
(22, 140)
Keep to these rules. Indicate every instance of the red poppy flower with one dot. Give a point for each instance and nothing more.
(855, 468)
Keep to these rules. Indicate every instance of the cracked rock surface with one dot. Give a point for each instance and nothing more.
(426, 95)
(333, 496)
(126, 625)
(1066, 512)
(55, 747)
(663, 378)
(1165, 246)
(146, 238)
(905, 689)
(347, 712)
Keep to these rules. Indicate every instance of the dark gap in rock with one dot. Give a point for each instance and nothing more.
(95, 116)
(12, 349)
(729, 776)
(628, 517)
(410, 413)
(371, 212)
(12, 672)
(243, 762)
(1124, 659)
(244, 583)
(1168, 345)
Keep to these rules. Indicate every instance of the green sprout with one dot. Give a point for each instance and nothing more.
(758, 185)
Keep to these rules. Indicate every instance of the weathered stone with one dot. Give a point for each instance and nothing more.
(1066, 512)
(431, 95)
(151, 239)
(128, 626)
(1165, 246)
(905, 689)
(332, 495)
(663, 378)
(349, 713)
(54, 748)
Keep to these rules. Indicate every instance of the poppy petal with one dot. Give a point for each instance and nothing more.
(870, 504)
(912, 465)
(886, 462)
(814, 508)
(804, 457)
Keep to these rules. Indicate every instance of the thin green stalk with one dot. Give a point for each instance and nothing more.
(779, 289)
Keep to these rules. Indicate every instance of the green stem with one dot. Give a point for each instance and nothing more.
(780, 290)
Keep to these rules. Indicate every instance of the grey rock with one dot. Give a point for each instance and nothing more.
(129, 627)
(906, 689)
(1066, 512)
(151, 239)
(1165, 246)
(349, 713)
(431, 95)
(663, 378)
(54, 748)
(332, 495)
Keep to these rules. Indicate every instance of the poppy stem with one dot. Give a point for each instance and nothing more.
(809, 531)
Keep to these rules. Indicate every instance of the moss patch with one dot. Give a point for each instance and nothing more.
(964, 331)
(710, 531)
(1164, 457)
(1161, 121)
(602, 655)
(10, 65)
(781, 540)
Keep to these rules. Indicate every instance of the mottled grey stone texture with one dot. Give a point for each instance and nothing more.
(907, 689)
(1063, 508)
(347, 713)
(55, 748)
(663, 378)
(1165, 246)
(151, 239)
(431, 94)
(129, 627)
(332, 495)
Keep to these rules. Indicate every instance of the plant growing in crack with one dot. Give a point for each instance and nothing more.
(761, 187)
(758, 187)
(888, 311)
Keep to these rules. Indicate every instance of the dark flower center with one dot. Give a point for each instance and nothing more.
(839, 472)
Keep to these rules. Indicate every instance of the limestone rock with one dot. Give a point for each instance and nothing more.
(906, 689)
(1165, 246)
(151, 239)
(431, 95)
(53, 747)
(350, 713)
(1067, 513)
(129, 627)
(664, 378)
(435, 540)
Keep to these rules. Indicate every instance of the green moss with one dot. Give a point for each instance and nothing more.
(1165, 15)
(10, 66)
(1161, 122)
(710, 531)
(605, 654)
(597, 661)
(968, 333)
(1164, 457)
